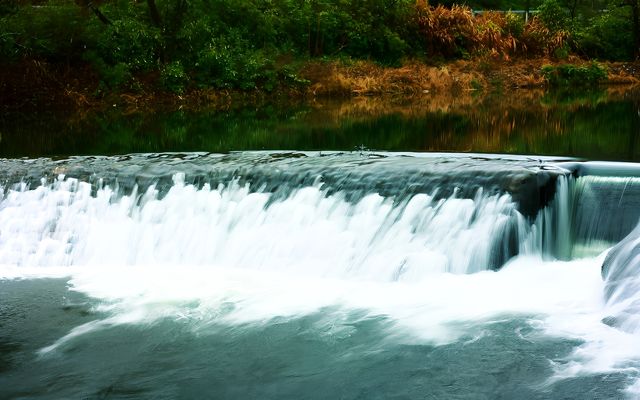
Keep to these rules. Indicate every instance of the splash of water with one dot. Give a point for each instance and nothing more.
(238, 254)
(308, 232)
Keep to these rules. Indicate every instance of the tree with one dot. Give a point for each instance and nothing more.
(635, 18)
(155, 15)
(93, 6)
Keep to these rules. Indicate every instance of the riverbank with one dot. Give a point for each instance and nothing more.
(35, 85)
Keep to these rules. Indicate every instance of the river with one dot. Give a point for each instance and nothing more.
(357, 251)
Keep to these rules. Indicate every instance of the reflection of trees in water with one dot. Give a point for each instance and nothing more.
(599, 125)
(634, 152)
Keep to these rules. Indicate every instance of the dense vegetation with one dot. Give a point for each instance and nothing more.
(249, 44)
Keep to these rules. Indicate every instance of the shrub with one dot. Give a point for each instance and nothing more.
(572, 75)
(553, 16)
(129, 41)
(495, 34)
(607, 36)
(111, 76)
(173, 78)
(54, 32)
(537, 39)
(8, 7)
(454, 32)
(446, 31)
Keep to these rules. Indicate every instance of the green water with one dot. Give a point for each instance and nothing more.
(288, 358)
(593, 125)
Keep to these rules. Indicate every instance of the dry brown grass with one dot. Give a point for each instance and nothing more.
(623, 73)
(455, 31)
(493, 36)
(37, 86)
(415, 79)
(365, 78)
(537, 39)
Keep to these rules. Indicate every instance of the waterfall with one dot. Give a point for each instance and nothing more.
(381, 218)
(608, 208)
(588, 215)
(622, 283)
(337, 247)
(550, 234)
(68, 222)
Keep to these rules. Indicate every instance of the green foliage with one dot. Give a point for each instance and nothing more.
(111, 76)
(572, 75)
(608, 35)
(553, 15)
(241, 44)
(55, 31)
(561, 53)
(514, 25)
(132, 42)
(230, 62)
(8, 7)
(597, 29)
(173, 77)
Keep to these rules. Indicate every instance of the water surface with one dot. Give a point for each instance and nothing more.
(596, 125)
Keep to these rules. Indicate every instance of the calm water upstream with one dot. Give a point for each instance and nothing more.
(321, 252)
(594, 125)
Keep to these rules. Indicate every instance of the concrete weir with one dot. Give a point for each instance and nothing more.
(606, 200)
(561, 207)
(531, 181)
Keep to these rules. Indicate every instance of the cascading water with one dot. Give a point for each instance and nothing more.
(268, 275)
(622, 283)
(323, 226)
(307, 232)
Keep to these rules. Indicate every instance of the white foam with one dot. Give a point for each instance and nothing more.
(569, 305)
(560, 299)
(307, 233)
(229, 256)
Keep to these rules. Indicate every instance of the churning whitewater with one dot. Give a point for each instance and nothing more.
(307, 233)
(267, 283)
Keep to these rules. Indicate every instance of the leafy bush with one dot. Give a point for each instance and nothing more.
(553, 16)
(55, 32)
(8, 7)
(128, 41)
(111, 76)
(573, 75)
(514, 24)
(608, 35)
(173, 78)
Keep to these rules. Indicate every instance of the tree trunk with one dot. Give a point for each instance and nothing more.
(89, 5)
(574, 7)
(155, 15)
(100, 15)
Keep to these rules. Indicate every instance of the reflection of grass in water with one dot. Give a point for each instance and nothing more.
(573, 97)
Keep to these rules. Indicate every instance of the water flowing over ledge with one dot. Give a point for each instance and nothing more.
(366, 215)
(369, 215)
(230, 245)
